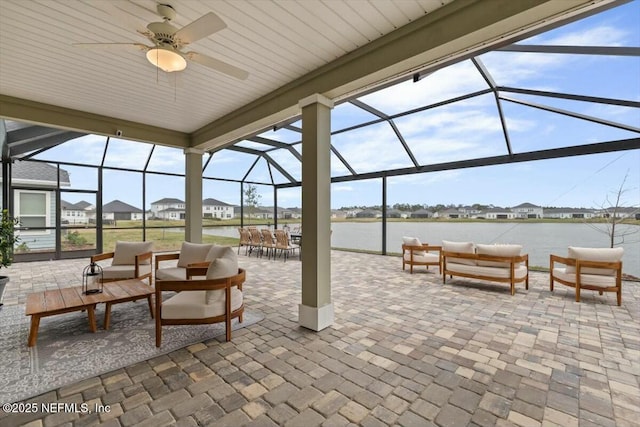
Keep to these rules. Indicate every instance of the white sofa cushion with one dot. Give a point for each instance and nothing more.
(413, 241)
(193, 305)
(497, 250)
(598, 280)
(595, 254)
(125, 252)
(124, 271)
(520, 271)
(193, 252)
(462, 247)
(423, 257)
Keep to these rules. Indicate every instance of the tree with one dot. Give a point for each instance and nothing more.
(251, 199)
(615, 226)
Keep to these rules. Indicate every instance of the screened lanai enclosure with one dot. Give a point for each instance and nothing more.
(567, 99)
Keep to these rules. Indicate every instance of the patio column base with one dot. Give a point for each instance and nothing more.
(315, 318)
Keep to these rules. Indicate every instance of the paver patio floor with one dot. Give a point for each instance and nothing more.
(404, 350)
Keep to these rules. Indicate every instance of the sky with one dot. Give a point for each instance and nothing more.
(462, 130)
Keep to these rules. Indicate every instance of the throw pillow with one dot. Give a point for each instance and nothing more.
(219, 269)
(219, 251)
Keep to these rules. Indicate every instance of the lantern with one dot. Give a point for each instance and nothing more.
(92, 279)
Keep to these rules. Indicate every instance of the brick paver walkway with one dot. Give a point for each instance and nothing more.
(405, 350)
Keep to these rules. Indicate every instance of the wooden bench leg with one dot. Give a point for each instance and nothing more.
(33, 332)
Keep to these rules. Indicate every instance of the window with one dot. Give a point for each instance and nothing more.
(33, 208)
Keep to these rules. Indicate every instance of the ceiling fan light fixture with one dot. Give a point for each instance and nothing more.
(166, 59)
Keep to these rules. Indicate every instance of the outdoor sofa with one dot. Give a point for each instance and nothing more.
(495, 263)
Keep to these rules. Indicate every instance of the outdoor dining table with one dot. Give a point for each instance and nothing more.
(296, 238)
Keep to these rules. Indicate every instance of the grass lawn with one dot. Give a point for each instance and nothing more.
(163, 239)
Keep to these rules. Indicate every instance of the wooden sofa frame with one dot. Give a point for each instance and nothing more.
(424, 248)
(512, 260)
(200, 285)
(579, 264)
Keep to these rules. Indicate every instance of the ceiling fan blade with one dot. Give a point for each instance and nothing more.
(200, 28)
(136, 46)
(218, 65)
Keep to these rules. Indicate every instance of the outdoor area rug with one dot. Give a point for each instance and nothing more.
(67, 352)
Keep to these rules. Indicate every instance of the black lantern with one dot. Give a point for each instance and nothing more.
(92, 279)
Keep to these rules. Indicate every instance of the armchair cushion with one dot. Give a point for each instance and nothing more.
(598, 280)
(595, 254)
(193, 252)
(125, 252)
(113, 272)
(171, 273)
(194, 305)
(497, 250)
(423, 257)
(462, 247)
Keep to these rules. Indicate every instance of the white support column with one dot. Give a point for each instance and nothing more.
(316, 310)
(193, 195)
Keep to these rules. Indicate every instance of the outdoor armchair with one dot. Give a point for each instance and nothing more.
(190, 253)
(217, 298)
(597, 269)
(130, 260)
(414, 252)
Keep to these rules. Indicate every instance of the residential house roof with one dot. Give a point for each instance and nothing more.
(117, 206)
(83, 204)
(167, 200)
(422, 212)
(214, 202)
(567, 210)
(38, 171)
(525, 205)
(70, 206)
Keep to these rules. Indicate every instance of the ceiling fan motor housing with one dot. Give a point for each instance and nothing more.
(163, 33)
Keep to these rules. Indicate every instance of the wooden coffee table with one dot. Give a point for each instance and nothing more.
(65, 300)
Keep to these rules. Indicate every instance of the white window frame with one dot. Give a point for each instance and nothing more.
(47, 220)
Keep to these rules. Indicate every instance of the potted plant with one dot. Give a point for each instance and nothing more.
(8, 240)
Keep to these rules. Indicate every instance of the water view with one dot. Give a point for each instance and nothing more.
(539, 240)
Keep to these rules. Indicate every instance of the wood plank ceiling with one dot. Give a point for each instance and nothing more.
(276, 42)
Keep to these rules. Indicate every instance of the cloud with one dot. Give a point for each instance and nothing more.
(338, 187)
(604, 35)
(440, 85)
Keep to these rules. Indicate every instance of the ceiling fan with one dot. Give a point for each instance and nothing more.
(168, 41)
